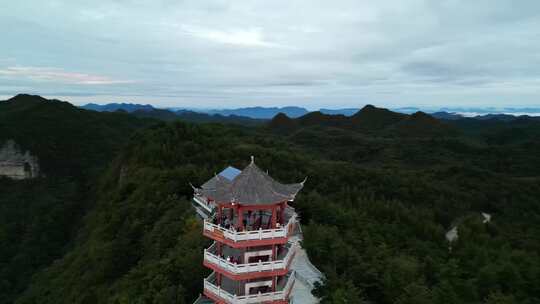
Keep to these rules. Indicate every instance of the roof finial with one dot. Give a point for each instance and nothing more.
(252, 159)
(304, 181)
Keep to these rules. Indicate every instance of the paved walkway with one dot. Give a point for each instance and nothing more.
(301, 294)
(306, 275)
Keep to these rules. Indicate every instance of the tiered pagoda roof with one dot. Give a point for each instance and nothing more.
(251, 186)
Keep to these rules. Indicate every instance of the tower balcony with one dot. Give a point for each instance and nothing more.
(260, 237)
(235, 294)
(245, 271)
(203, 203)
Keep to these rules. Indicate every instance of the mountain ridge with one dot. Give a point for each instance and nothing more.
(112, 107)
(369, 119)
(267, 113)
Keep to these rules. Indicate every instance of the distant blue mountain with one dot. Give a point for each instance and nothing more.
(261, 112)
(148, 111)
(501, 117)
(112, 107)
(267, 113)
(345, 111)
(446, 115)
(407, 110)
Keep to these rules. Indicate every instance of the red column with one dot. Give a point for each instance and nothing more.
(274, 257)
(274, 214)
(240, 218)
(282, 213)
(219, 215)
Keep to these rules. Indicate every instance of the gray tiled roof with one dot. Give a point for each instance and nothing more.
(251, 187)
(214, 181)
(227, 175)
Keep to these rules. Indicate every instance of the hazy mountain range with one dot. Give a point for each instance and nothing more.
(111, 107)
(266, 113)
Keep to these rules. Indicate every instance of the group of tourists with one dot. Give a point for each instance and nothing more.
(253, 221)
(231, 259)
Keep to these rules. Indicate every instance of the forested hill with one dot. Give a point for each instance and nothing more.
(377, 137)
(375, 210)
(66, 139)
(369, 119)
(148, 111)
(39, 217)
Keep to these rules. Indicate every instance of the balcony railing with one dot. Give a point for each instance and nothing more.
(238, 236)
(229, 298)
(280, 264)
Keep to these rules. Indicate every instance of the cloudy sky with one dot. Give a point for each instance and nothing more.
(313, 53)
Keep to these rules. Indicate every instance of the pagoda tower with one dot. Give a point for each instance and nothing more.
(247, 215)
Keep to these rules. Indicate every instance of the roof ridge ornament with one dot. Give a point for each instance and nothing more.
(252, 160)
(304, 181)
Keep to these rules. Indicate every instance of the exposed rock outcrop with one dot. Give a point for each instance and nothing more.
(16, 164)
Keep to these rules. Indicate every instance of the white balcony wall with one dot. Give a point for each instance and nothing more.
(250, 267)
(249, 299)
(238, 236)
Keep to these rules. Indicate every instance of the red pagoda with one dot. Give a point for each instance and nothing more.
(248, 217)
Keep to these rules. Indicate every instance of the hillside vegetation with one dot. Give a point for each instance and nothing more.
(381, 194)
(39, 217)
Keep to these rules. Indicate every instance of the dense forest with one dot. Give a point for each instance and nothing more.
(39, 217)
(110, 219)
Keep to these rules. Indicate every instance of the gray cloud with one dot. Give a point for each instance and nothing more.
(219, 53)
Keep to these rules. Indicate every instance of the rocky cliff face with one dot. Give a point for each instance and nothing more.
(16, 164)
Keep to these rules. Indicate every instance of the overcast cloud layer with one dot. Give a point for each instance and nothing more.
(223, 53)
